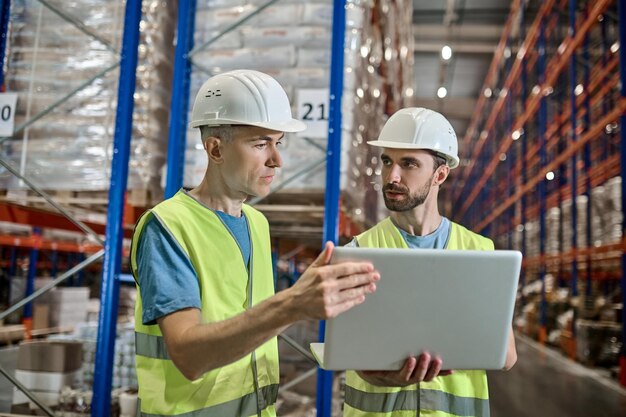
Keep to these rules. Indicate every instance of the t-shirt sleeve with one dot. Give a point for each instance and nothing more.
(167, 279)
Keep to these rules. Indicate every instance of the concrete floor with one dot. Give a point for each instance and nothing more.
(545, 383)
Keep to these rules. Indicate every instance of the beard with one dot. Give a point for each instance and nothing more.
(411, 201)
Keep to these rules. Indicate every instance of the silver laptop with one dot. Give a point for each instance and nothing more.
(455, 304)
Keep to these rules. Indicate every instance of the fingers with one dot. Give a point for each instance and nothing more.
(433, 369)
(422, 367)
(324, 257)
(350, 274)
(346, 299)
(408, 368)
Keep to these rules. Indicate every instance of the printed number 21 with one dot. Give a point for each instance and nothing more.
(309, 109)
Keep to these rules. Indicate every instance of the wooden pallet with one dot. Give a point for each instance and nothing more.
(11, 334)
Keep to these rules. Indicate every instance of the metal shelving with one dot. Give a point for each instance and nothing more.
(543, 136)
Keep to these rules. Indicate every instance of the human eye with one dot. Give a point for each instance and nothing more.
(386, 162)
(261, 145)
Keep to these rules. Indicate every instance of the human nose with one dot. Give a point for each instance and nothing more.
(392, 174)
(275, 160)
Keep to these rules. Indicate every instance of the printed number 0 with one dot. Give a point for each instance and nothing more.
(5, 113)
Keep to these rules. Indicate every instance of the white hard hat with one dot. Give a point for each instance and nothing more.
(419, 128)
(244, 97)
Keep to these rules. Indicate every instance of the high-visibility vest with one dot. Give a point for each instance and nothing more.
(464, 393)
(246, 387)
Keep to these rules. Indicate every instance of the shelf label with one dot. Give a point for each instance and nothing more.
(313, 111)
(8, 102)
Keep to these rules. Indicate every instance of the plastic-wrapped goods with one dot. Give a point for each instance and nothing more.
(382, 78)
(552, 230)
(70, 148)
(612, 214)
(532, 239)
(289, 40)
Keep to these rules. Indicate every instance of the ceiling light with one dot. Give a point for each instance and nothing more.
(446, 52)
(442, 92)
(615, 47)
(516, 135)
(487, 93)
(550, 176)
(579, 89)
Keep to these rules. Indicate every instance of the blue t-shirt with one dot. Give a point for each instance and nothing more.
(436, 240)
(167, 279)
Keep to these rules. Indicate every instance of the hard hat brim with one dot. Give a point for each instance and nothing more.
(289, 126)
(452, 162)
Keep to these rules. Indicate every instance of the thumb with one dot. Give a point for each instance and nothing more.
(324, 257)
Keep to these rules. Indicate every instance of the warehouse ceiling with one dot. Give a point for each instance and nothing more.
(472, 29)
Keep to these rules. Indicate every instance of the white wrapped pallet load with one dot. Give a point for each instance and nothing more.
(260, 58)
(70, 148)
(552, 230)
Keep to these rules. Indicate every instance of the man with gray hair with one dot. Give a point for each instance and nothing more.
(207, 317)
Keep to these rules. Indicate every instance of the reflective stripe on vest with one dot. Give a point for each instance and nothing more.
(464, 393)
(150, 346)
(244, 406)
(229, 390)
(428, 399)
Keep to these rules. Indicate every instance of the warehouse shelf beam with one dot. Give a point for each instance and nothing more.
(82, 226)
(109, 290)
(592, 133)
(16, 213)
(622, 70)
(333, 153)
(553, 71)
(179, 107)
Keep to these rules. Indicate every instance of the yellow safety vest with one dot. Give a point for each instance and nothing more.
(246, 387)
(464, 393)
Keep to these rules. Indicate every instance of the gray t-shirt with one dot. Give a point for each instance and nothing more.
(436, 240)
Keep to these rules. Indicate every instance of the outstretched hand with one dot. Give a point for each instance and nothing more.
(325, 291)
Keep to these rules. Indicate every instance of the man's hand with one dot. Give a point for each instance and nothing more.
(415, 370)
(325, 291)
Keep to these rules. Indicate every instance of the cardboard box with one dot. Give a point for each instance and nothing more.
(46, 381)
(50, 356)
(41, 316)
(47, 398)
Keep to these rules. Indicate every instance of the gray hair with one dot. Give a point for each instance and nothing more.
(225, 132)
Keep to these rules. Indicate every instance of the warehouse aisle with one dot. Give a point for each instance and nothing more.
(544, 383)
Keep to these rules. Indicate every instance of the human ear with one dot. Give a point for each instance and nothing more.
(214, 149)
(441, 174)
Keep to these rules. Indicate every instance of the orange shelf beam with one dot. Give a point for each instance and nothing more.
(593, 132)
